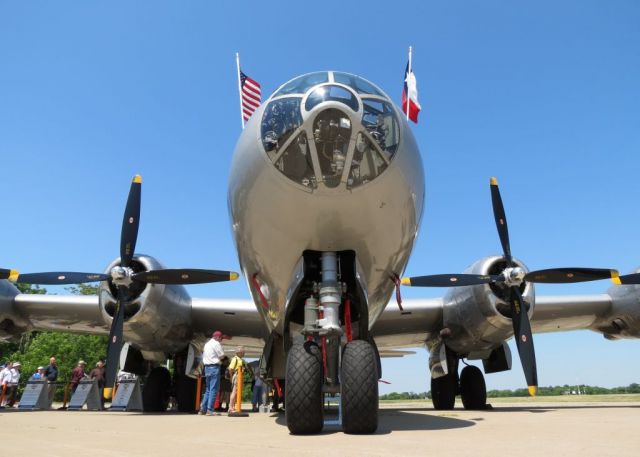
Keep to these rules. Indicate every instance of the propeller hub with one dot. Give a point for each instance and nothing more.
(121, 276)
(513, 276)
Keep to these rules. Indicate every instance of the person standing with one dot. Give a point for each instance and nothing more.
(257, 386)
(13, 384)
(51, 375)
(98, 375)
(77, 375)
(237, 363)
(211, 356)
(5, 379)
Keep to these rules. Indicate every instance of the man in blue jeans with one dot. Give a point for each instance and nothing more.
(211, 356)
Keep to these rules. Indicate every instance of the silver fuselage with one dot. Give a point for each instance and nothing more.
(275, 219)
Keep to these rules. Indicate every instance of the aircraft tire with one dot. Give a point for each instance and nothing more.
(443, 392)
(303, 389)
(155, 395)
(359, 379)
(473, 389)
(186, 394)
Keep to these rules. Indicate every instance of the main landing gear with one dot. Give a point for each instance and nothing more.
(331, 362)
(470, 385)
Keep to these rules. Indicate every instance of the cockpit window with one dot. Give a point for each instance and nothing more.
(343, 144)
(380, 121)
(296, 163)
(331, 93)
(331, 133)
(367, 163)
(281, 118)
(302, 83)
(355, 82)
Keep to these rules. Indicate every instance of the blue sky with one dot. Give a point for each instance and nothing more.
(544, 96)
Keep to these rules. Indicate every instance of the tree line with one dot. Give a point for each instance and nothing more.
(633, 388)
(35, 348)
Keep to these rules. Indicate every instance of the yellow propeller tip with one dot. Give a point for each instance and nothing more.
(13, 275)
(137, 179)
(233, 276)
(615, 277)
(533, 390)
(107, 393)
(405, 281)
(494, 181)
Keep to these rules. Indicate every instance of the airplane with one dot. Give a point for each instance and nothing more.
(326, 195)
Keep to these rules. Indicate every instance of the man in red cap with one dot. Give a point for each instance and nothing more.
(211, 359)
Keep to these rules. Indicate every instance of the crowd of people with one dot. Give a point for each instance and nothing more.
(221, 379)
(10, 377)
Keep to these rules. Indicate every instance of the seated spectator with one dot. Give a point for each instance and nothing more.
(38, 375)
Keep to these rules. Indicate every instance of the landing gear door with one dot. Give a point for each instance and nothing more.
(193, 367)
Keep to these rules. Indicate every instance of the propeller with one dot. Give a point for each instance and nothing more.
(11, 275)
(123, 277)
(630, 279)
(511, 279)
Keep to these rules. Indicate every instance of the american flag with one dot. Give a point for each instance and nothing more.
(251, 94)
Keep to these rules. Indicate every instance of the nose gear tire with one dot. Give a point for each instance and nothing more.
(303, 389)
(359, 379)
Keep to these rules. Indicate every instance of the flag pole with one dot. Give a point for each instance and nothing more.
(240, 88)
(408, 85)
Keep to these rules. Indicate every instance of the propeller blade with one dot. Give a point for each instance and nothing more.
(524, 340)
(448, 280)
(11, 275)
(131, 222)
(115, 339)
(184, 276)
(570, 275)
(60, 277)
(501, 220)
(633, 278)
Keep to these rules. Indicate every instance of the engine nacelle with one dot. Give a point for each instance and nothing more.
(478, 318)
(157, 317)
(12, 324)
(623, 321)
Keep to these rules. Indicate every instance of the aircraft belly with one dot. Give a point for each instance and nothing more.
(275, 220)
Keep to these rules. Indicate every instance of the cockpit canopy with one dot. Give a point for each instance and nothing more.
(330, 129)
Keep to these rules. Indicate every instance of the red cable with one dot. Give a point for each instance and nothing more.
(323, 346)
(256, 286)
(396, 280)
(347, 319)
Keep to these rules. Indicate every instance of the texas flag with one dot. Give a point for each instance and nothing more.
(410, 95)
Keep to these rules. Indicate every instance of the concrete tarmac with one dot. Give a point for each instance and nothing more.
(510, 429)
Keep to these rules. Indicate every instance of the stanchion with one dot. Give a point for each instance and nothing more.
(198, 393)
(66, 397)
(238, 412)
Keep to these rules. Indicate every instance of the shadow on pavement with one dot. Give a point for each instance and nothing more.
(391, 420)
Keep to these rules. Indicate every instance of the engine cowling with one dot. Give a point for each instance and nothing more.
(623, 321)
(477, 319)
(157, 317)
(12, 324)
